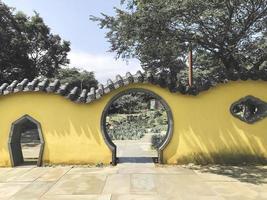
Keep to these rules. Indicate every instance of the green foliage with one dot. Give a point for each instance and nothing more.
(27, 47)
(156, 140)
(126, 127)
(76, 77)
(130, 117)
(135, 126)
(223, 33)
(130, 103)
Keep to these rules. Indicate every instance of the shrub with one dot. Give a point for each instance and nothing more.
(135, 126)
(156, 140)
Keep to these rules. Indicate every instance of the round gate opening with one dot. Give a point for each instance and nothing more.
(137, 124)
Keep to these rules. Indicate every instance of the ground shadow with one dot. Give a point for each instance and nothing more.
(249, 174)
(136, 160)
(29, 163)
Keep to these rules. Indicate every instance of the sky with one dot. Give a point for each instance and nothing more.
(70, 20)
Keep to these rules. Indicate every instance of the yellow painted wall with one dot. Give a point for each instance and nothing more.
(203, 125)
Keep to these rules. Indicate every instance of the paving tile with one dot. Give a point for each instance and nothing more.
(77, 197)
(137, 164)
(216, 177)
(32, 191)
(117, 184)
(174, 170)
(135, 197)
(79, 184)
(137, 170)
(13, 174)
(169, 197)
(201, 197)
(179, 185)
(135, 148)
(143, 183)
(262, 191)
(94, 170)
(189, 197)
(241, 197)
(124, 181)
(4, 170)
(32, 174)
(54, 174)
(233, 189)
(9, 189)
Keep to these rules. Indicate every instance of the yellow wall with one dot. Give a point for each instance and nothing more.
(203, 125)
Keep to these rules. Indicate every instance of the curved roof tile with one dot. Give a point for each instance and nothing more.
(84, 96)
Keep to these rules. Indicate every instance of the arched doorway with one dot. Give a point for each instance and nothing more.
(155, 107)
(26, 142)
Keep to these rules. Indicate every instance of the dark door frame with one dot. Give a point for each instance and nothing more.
(14, 142)
(109, 142)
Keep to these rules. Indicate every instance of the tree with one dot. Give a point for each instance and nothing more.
(27, 47)
(76, 77)
(230, 34)
(133, 102)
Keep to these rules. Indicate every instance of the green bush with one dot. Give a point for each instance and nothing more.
(135, 126)
(156, 140)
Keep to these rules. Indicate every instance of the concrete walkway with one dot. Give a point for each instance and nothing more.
(135, 148)
(135, 178)
(128, 181)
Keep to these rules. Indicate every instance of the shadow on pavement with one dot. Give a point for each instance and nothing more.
(249, 174)
(136, 160)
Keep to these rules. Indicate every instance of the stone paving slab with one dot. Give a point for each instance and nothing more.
(30, 175)
(181, 185)
(79, 184)
(176, 170)
(261, 189)
(93, 170)
(234, 189)
(14, 173)
(33, 191)
(216, 178)
(138, 170)
(130, 181)
(118, 184)
(143, 183)
(7, 190)
(136, 197)
(4, 170)
(201, 197)
(54, 174)
(76, 197)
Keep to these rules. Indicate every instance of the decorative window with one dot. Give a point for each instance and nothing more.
(249, 109)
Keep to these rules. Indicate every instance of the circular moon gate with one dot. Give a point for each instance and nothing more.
(169, 133)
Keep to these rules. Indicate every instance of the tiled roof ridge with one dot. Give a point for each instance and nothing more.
(87, 96)
(74, 93)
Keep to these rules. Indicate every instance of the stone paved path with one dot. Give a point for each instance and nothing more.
(128, 181)
(135, 148)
